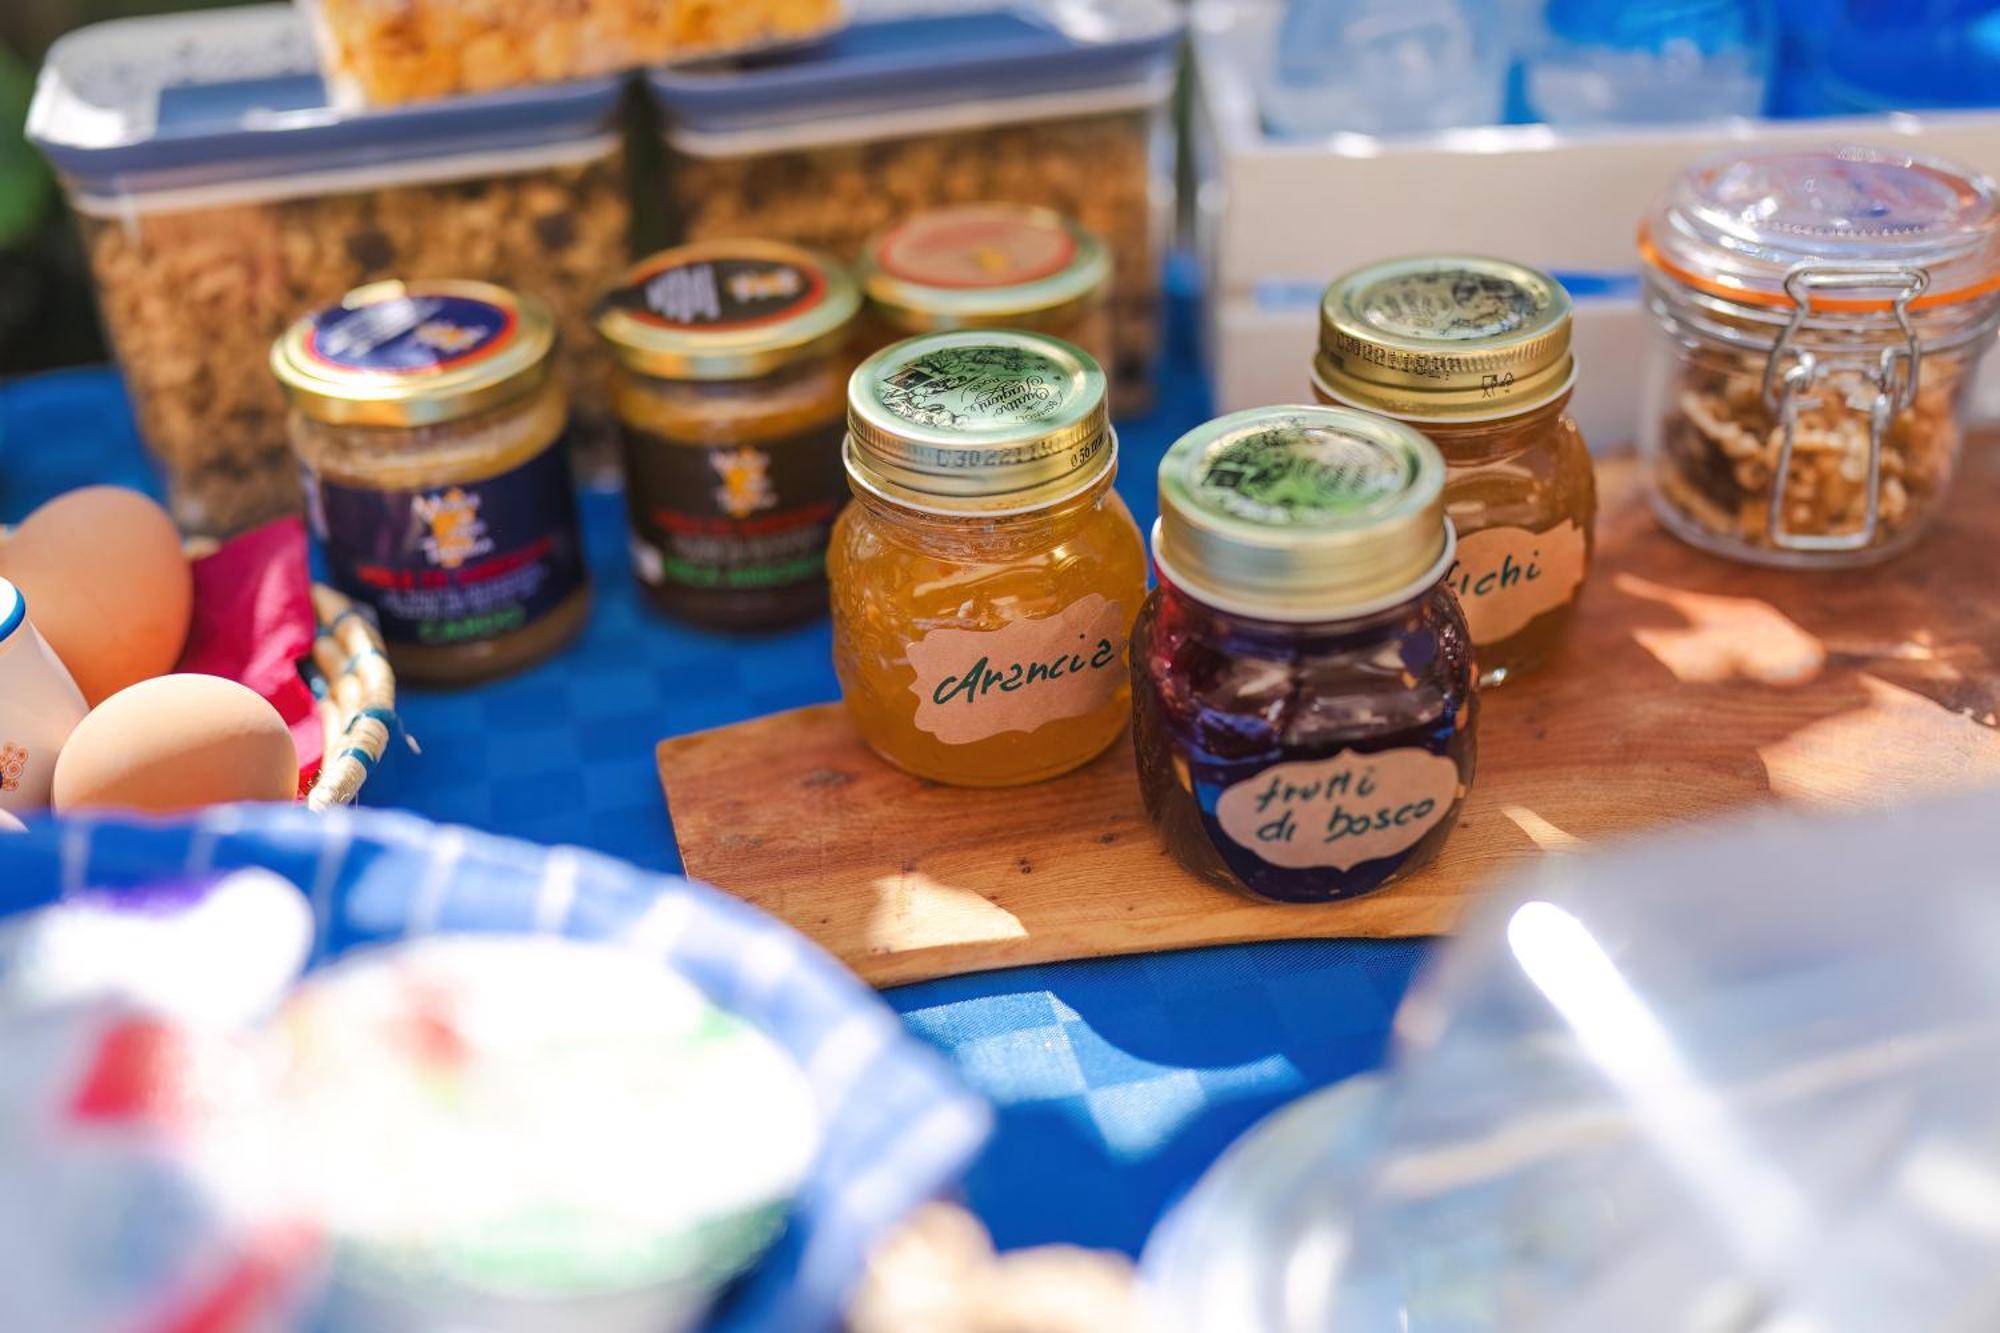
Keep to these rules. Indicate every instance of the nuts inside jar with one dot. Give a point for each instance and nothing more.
(1720, 442)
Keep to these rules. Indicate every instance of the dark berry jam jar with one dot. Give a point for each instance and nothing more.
(1304, 692)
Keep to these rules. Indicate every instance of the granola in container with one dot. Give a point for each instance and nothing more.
(384, 52)
(219, 197)
(1821, 314)
(1058, 107)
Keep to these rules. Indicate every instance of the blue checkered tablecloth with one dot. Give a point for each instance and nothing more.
(1116, 1081)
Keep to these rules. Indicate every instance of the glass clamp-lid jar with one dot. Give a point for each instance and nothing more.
(1475, 353)
(986, 577)
(1304, 703)
(1821, 314)
(432, 431)
(731, 392)
(988, 266)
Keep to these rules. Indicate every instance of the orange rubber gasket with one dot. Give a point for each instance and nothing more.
(1840, 305)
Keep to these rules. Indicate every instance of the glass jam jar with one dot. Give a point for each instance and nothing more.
(437, 472)
(1305, 708)
(1821, 314)
(986, 576)
(731, 393)
(1475, 353)
(987, 266)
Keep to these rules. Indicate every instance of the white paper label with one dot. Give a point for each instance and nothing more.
(975, 684)
(1505, 577)
(1341, 811)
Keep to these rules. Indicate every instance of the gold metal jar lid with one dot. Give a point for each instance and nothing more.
(415, 353)
(1445, 337)
(977, 265)
(1302, 514)
(986, 421)
(727, 310)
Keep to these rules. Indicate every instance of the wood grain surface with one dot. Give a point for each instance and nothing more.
(1692, 687)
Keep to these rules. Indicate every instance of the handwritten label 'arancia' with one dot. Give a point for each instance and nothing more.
(1341, 811)
(975, 684)
(1505, 577)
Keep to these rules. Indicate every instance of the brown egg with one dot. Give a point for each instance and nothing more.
(177, 743)
(106, 584)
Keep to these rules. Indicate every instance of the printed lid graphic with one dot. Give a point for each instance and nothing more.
(405, 353)
(1445, 336)
(726, 309)
(1302, 513)
(981, 263)
(979, 419)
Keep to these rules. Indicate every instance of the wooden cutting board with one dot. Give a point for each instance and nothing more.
(1692, 687)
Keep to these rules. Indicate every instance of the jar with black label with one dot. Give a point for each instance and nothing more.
(433, 436)
(1304, 704)
(731, 390)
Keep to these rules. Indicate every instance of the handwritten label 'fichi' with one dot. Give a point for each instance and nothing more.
(975, 684)
(1505, 577)
(1341, 811)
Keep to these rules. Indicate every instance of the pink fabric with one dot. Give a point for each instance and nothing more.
(254, 623)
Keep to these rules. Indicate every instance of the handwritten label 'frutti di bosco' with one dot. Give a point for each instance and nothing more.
(975, 684)
(1505, 577)
(1341, 811)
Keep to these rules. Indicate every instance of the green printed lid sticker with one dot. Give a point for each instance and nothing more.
(1298, 475)
(977, 388)
(1449, 304)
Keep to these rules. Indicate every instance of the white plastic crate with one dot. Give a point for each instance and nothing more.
(1275, 220)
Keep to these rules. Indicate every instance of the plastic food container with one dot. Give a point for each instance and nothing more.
(1821, 314)
(379, 52)
(1724, 1080)
(1059, 107)
(220, 197)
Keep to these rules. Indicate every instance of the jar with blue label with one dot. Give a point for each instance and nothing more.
(432, 431)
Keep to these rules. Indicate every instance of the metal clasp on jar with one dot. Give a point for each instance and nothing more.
(1792, 370)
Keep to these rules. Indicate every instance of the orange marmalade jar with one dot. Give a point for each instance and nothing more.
(986, 578)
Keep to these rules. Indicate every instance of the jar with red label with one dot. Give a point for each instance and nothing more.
(1475, 353)
(989, 266)
(731, 390)
(433, 435)
(986, 575)
(1304, 703)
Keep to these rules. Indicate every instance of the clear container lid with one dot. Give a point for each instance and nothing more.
(1739, 225)
(231, 100)
(1721, 1081)
(971, 69)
